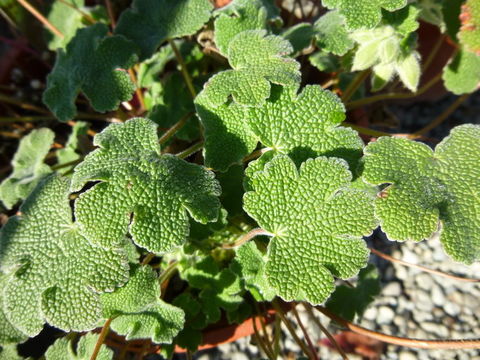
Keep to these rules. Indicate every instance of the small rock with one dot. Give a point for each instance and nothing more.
(35, 84)
(435, 329)
(407, 355)
(409, 256)
(401, 272)
(385, 315)
(437, 295)
(452, 309)
(370, 314)
(238, 356)
(424, 281)
(422, 316)
(392, 289)
(423, 302)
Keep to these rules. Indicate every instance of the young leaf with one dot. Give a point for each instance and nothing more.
(331, 34)
(462, 74)
(141, 191)
(469, 34)
(244, 15)
(405, 20)
(138, 311)
(428, 187)
(349, 302)
(363, 13)
(161, 20)
(95, 65)
(62, 349)
(257, 60)
(317, 222)
(249, 264)
(28, 166)
(64, 274)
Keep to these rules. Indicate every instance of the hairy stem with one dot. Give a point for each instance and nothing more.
(256, 154)
(175, 128)
(22, 105)
(423, 268)
(248, 236)
(402, 341)
(138, 91)
(183, 69)
(41, 18)
(260, 341)
(101, 338)
(354, 85)
(11, 119)
(191, 150)
(305, 333)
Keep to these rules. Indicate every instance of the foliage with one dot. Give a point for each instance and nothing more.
(140, 231)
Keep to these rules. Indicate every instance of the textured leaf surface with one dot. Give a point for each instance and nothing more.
(8, 333)
(138, 311)
(140, 191)
(257, 60)
(243, 15)
(317, 222)
(45, 257)
(430, 187)
(469, 34)
(249, 264)
(363, 13)
(150, 22)
(28, 166)
(404, 20)
(62, 349)
(349, 302)
(9, 352)
(95, 65)
(299, 36)
(331, 34)
(462, 75)
(67, 18)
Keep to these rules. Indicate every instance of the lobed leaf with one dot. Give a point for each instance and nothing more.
(317, 222)
(67, 18)
(138, 311)
(299, 36)
(462, 74)
(428, 187)
(28, 166)
(161, 20)
(63, 349)
(75, 145)
(9, 334)
(140, 191)
(363, 13)
(65, 273)
(94, 64)
(469, 34)
(331, 34)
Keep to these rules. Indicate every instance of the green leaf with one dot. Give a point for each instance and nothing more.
(300, 36)
(431, 11)
(9, 352)
(408, 70)
(75, 146)
(141, 192)
(462, 74)
(349, 302)
(9, 334)
(94, 64)
(317, 222)
(28, 166)
(404, 20)
(63, 349)
(331, 34)
(150, 69)
(305, 125)
(67, 17)
(427, 188)
(161, 20)
(249, 264)
(469, 34)
(242, 15)
(363, 13)
(64, 274)
(138, 311)
(257, 60)
(324, 61)
(451, 14)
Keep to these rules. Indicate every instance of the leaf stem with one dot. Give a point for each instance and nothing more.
(248, 236)
(146, 260)
(138, 91)
(90, 19)
(305, 333)
(392, 96)
(260, 341)
(327, 333)
(41, 18)
(64, 165)
(291, 330)
(11, 119)
(168, 272)
(19, 103)
(176, 127)
(423, 268)
(191, 150)
(256, 154)
(183, 69)
(442, 117)
(354, 85)
(402, 341)
(433, 52)
(101, 338)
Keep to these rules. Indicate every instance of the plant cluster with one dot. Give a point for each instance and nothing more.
(278, 202)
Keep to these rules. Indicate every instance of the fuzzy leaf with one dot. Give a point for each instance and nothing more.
(67, 18)
(95, 65)
(249, 264)
(469, 34)
(317, 222)
(73, 148)
(9, 334)
(62, 349)
(138, 311)
(331, 34)
(363, 13)
(408, 69)
(405, 20)
(9, 352)
(28, 166)
(428, 187)
(349, 302)
(304, 125)
(462, 74)
(65, 273)
(243, 15)
(257, 60)
(300, 36)
(161, 20)
(141, 191)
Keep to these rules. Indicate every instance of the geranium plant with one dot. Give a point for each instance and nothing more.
(228, 175)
